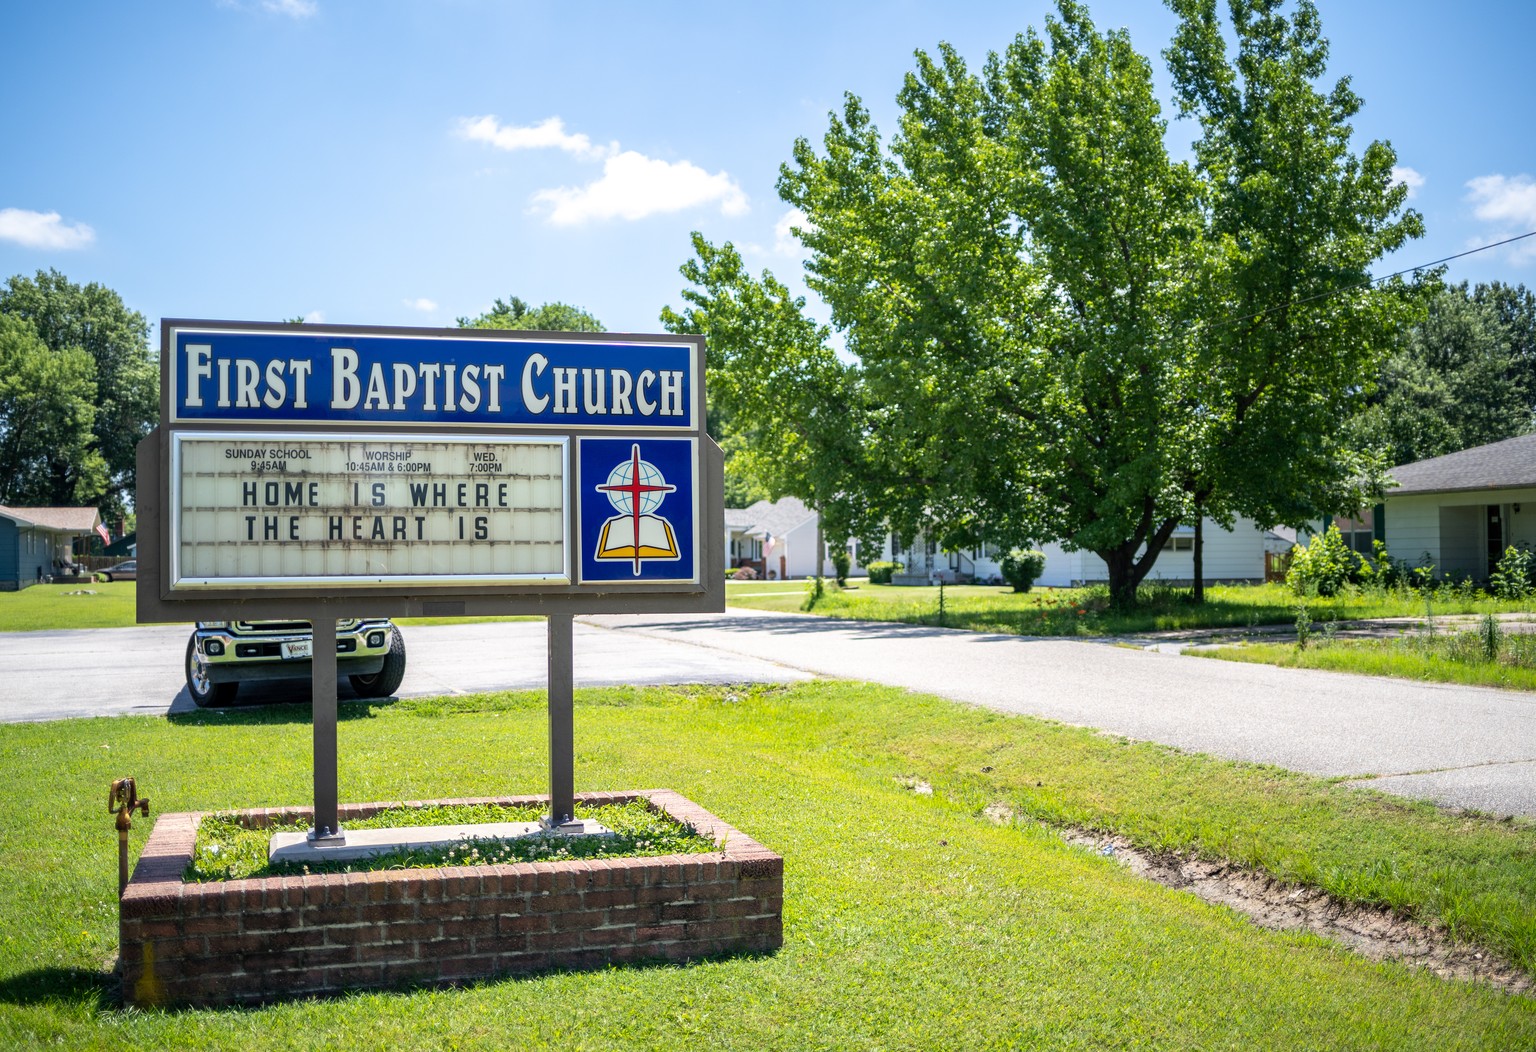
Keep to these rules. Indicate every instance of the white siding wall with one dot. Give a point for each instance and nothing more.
(800, 550)
(1451, 528)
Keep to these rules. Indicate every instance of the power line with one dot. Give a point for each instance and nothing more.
(1368, 282)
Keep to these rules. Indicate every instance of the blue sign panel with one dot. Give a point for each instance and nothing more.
(638, 509)
(337, 377)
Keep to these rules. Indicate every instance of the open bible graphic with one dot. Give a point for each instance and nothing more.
(636, 489)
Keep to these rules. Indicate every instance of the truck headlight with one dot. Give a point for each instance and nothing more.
(375, 639)
(213, 647)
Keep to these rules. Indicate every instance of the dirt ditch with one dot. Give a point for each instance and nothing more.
(1374, 932)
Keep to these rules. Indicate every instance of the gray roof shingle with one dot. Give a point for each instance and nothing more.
(1510, 464)
(769, 517)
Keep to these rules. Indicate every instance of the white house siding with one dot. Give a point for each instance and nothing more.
(1449, 530)
(1230, 555)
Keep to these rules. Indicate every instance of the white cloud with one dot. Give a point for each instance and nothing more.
(421, 303)
(42, 230)
(1504, 199)
(1409, 177)
(1510, 202)
(315, 317)
(549, 132)
(291, 8)
(634, 186)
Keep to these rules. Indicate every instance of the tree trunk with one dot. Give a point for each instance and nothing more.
(821, 547)
(1199, 590)
(1123, 578)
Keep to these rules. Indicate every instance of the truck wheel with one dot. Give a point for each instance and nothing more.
(386, 681)
(205, 692)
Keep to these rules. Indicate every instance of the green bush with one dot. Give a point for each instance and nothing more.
(1381, 571)
(1512, 579)
(840, 564)
(1022, 567)
(881, 570)
(1323, 567)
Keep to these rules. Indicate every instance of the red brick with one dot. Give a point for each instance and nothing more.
(659, 933)
(684, 911)
(522, 922)
(608, 898)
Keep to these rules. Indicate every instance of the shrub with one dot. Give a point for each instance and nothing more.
(881, 571)
(745, 573)
(1512, 579)
(1324, 566)
(1381, 570)
(1022, 567)
(840, 564)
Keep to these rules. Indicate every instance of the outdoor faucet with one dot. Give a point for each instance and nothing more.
(122, 800)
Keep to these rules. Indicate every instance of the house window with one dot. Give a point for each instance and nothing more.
(1358, 533)
(1184, 543)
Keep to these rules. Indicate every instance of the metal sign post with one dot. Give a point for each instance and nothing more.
(392, 472)
(323, 704)
(562, 718)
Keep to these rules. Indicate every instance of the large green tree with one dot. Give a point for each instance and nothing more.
(1061, 332)
(549, 317)
(123, 385)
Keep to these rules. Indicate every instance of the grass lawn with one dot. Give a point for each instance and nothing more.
(1447, 657)
(56, 606)
(910, 921)
(1085, 611)
(102, 605)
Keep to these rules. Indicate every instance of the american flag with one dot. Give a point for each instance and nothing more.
(106, 538)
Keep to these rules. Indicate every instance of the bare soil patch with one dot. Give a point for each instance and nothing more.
(1374, 932)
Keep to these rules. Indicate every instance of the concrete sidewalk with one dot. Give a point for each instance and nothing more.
(1458, 746)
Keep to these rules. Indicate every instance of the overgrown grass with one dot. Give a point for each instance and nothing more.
(226, 849)
(1086, 611)
(910, 922)
(1485, 657)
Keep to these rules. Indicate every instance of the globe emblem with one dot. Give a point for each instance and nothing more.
(621, 488)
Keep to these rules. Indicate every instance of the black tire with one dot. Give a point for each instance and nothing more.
(386, 681)
(205, 693)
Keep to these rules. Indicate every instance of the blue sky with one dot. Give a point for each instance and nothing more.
(405, 162)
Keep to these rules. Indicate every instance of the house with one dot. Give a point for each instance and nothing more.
(36, 542)
(1237, 554)
(1461, 511)
(777, 538)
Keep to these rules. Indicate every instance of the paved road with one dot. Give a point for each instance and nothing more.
(1460, 746)
(127, 671)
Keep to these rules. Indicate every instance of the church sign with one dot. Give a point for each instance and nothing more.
(529, 470)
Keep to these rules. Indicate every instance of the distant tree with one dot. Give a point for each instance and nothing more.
(1452, 383)
(1516, 308)
(124, 390)
(550, 317)
(47, 409)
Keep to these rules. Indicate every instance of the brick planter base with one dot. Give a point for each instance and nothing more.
(243, 941)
